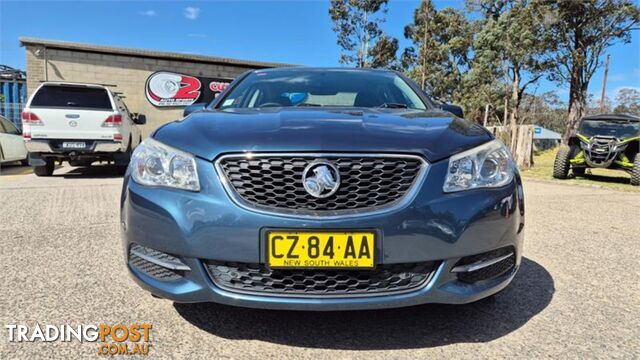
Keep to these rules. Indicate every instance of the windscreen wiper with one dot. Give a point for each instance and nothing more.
(308, 104)
(393, 106)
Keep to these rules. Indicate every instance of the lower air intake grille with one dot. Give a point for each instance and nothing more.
(258, 279)
(151, 268)
(490, 271)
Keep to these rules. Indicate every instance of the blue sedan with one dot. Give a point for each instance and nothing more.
(322, 189)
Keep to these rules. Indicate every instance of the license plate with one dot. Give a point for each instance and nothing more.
(318, 249)
(73, 145)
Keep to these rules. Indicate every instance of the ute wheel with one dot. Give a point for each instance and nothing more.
(578, 171)
(46, 170)
(121, 170)
(123, 164)
(635, 172)
(561, 164)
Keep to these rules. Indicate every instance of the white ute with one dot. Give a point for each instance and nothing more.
(78, 123)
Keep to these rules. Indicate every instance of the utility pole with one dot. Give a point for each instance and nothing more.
(604, 83)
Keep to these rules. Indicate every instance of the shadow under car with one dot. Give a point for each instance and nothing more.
(404, 328)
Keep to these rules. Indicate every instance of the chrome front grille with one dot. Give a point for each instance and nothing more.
(259, 279)
(274, 182)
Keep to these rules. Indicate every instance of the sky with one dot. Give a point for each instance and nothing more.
(295, 32)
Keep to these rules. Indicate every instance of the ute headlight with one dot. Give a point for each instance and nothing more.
(488, 165)
(156, 164)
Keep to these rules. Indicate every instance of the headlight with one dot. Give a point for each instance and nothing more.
(487, 165)
(156, 164)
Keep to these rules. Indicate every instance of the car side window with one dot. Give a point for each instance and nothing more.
(2, 129)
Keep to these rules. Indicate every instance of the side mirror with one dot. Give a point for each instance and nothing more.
(454, 109)
(139, 119)
(193, 108)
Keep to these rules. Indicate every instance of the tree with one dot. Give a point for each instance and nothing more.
(383, 53)
(420, 57)
(628, 100)
(357, 26)
(581, 31)
(593, 105)
(481, 87)
(513, 42)
(490, 9)
(440, 54)
(550, 112)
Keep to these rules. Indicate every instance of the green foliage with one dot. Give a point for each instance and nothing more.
(628, 100)
(357, 25)
(383, 53)
(496, 50)
(512, 47)
(439, 56)
(581, 31)
(546, 110)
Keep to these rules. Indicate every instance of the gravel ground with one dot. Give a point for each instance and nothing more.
(577, 294)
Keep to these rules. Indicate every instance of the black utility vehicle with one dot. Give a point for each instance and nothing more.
(603, 141)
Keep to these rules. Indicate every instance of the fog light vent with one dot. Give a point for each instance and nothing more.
(485, 266)
(156, 264)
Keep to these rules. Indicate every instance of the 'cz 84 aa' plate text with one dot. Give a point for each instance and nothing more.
(309, 249)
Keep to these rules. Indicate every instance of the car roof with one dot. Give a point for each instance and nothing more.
(77, 84)
(320, 69)
(627, 117)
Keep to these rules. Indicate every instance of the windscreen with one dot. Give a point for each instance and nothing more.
(72, 97)
(322, 88)
(620, 129)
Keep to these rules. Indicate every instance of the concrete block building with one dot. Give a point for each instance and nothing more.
(129, 71)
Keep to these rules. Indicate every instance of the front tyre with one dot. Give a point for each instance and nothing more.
(45, 170)
(635, 172)
(561, 165)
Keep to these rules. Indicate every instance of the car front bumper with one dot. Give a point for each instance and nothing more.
(208, 226)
